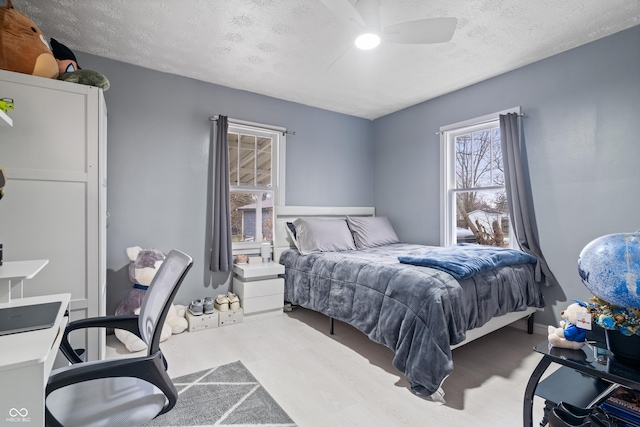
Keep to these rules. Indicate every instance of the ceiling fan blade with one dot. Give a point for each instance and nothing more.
(344, 10)
(422, 31)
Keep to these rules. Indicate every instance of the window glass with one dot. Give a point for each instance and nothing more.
(253, 178)
(233, 158)
(475, 208)
(482, 217)
(251, 216)
(247, 161)
(263, 167)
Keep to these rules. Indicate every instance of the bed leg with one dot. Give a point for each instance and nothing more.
(330, 325)
(530, 323)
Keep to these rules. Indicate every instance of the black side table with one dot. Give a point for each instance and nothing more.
(606, 368)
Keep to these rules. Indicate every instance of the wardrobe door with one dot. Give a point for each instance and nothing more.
(53, 201)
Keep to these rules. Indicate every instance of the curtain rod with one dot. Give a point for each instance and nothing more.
(254, 124)
(488, 121)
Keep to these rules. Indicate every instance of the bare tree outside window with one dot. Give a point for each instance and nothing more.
(482, 213)
(238, 200)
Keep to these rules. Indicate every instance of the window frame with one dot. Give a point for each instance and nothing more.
(448, 189)
(278, 156)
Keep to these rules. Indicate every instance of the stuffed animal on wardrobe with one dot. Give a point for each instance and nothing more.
(70, 71)
(23, 47)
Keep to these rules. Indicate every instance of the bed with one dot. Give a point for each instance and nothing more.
(420, 313)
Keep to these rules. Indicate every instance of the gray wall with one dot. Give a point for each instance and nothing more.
(581, 129)
(582, 110)
(158, 164)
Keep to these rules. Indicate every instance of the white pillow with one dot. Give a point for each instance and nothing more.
(370, 231)
(323, 235)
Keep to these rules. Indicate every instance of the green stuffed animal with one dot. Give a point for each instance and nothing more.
(86, 77)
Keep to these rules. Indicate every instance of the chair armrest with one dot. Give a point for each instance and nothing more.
(128, 322)
(148, 368)
(137, 367)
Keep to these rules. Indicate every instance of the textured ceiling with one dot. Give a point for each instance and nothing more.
(300, 51)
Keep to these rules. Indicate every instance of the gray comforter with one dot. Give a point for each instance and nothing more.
(417, 312)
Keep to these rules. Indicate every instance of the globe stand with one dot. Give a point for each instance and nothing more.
(625, 349)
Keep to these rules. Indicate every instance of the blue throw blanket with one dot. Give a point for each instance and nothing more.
(466, 259)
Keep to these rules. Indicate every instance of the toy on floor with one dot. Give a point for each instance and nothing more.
(23, 48)
(143, 265)
(70, 71)
(568, 335)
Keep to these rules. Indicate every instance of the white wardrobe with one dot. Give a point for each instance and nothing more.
(54, 205)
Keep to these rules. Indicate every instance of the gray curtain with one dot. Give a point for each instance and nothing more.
(221, 255)
(519, 195)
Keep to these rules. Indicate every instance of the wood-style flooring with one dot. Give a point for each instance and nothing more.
(347, 380)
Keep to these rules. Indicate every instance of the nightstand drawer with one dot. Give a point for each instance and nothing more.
(258, 288)
(258, 271)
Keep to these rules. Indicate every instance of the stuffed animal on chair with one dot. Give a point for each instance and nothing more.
(143, 265)
(23, 48)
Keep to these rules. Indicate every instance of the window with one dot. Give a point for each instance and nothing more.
(256, 182)
(474, 198)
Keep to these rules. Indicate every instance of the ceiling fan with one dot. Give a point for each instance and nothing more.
(365, 14)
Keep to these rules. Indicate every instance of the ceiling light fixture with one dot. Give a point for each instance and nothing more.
(367, 40)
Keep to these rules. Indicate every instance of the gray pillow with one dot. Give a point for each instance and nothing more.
(370, 231)
(322, 235)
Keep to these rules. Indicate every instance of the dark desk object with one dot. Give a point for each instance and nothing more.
(602, 376)
(26, 318)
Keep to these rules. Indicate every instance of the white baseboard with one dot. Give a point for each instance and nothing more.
(538, 328)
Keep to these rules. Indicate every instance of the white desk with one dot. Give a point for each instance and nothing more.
(13, 273)
(26, 360)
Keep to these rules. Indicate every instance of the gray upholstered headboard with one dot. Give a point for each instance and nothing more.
(284, 214)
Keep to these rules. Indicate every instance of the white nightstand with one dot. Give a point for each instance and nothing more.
(259, 287)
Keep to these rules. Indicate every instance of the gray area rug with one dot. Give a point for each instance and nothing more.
(224, 396)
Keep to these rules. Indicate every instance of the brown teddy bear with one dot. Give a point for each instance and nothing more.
(23, 48)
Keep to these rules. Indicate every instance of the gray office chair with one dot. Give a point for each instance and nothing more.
(123, 391)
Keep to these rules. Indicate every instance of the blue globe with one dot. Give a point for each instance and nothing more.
(609, 267)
